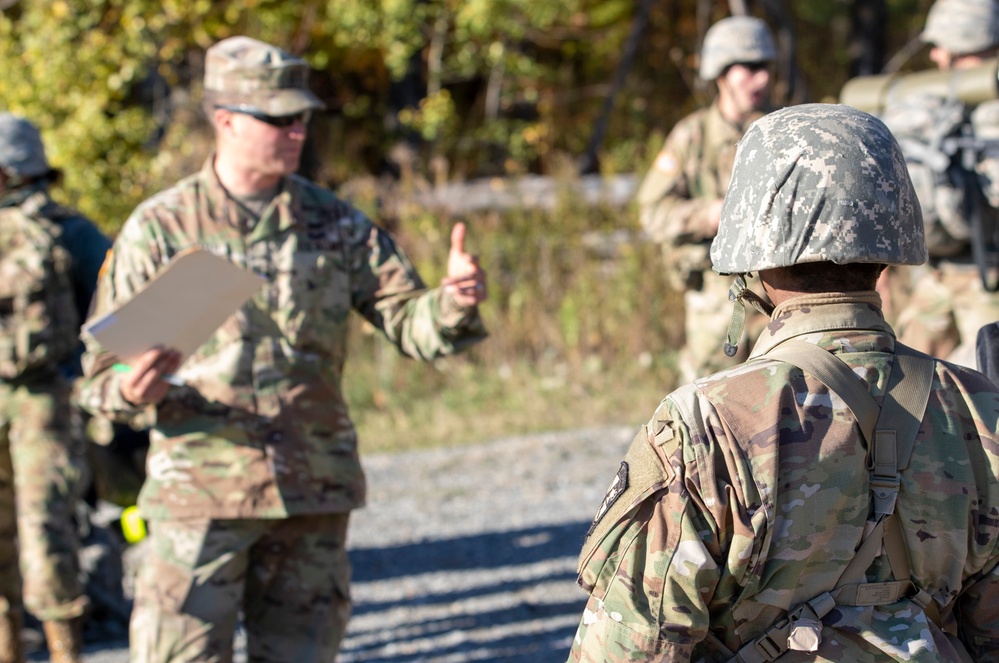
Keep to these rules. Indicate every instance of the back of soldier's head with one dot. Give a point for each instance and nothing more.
(818, 183)
(22, 154)
(735, 40)
(963, 26)
(252, 76)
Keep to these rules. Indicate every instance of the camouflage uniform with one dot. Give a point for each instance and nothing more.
(949, 304)
(253, 465)
(748, 491)
(42, 456)
(690, 175)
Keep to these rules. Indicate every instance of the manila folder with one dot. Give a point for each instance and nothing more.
(180, 308)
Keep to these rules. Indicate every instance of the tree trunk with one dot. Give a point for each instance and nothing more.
(790, 86)
(869, 21)
(589, 162)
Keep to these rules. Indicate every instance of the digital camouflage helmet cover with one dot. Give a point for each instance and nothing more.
(813, 183)
(734, 40)
(962, 26)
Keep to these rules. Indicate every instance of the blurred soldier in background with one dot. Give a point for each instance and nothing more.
(834, 497)
(253, 466)
(949, 302)
(680, 198)
(49, 258)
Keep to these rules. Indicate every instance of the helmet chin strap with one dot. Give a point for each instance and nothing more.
(739, 294)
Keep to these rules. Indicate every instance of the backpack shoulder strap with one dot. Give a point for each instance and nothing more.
(836, 375)
(891, 431)
(902, 412)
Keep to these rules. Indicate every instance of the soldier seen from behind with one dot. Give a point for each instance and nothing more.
(835, 497)
(46, 280)
(253, 464)
(954, 296)
(680, 197)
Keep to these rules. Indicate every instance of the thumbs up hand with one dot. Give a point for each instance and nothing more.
(465, 281)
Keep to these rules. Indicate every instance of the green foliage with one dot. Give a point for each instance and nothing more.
(583, 331)
(72, 67)
(509, 83)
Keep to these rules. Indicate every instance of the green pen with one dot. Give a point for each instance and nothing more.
(169, 379)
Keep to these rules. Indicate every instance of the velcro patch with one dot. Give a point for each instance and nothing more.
(614, 491)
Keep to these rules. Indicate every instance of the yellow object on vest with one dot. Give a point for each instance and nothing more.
(132, 525)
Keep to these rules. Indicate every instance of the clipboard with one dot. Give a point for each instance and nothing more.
(180, 308)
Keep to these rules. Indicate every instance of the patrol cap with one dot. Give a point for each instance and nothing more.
(733, 40)
(22, 154)
(818, 182)
(962, 26)
(258, 77)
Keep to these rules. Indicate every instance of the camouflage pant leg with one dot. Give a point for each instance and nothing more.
(708, 312)
(49, 467)
(198, 575)
(10, 576)
(298, 599)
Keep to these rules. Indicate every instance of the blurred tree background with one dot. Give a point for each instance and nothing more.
(423, 92)
(474, 87)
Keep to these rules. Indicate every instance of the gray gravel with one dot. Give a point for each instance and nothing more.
(469, 553)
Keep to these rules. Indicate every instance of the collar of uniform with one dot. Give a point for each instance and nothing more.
(228, 210)
(29, 198)
(821, 313)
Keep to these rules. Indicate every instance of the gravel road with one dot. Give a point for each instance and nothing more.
(469, 553)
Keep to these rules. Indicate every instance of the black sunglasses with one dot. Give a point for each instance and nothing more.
(280, 121)
(754, 67)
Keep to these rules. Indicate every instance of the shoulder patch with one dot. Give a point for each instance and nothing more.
(108, 257)
(641, 474)
(666, 163)
(617, 488)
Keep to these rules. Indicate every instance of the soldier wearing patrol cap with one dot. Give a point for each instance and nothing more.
(253, 465)
(949, 304)
(834, 497)
(680, 198)
(42, 457)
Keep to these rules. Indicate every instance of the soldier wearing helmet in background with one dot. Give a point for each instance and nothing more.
(253, 465)
(834, 497)
(949, 302)
(680, 198)
(49, 259)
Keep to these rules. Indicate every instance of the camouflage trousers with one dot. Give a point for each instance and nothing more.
(288, 577)
(707, 315)
(947, 308)
(42, 473)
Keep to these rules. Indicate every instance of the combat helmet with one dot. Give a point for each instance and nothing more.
(22, 154)
(733, 40)
(814, 183)
(255, 77)
(962, 26)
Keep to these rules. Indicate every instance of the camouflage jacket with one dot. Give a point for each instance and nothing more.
(260, 428)
(748, 491)
(690, 173)
(77, 239)
(86, 244)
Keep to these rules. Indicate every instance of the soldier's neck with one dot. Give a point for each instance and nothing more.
(241, 181)
(731, 113)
